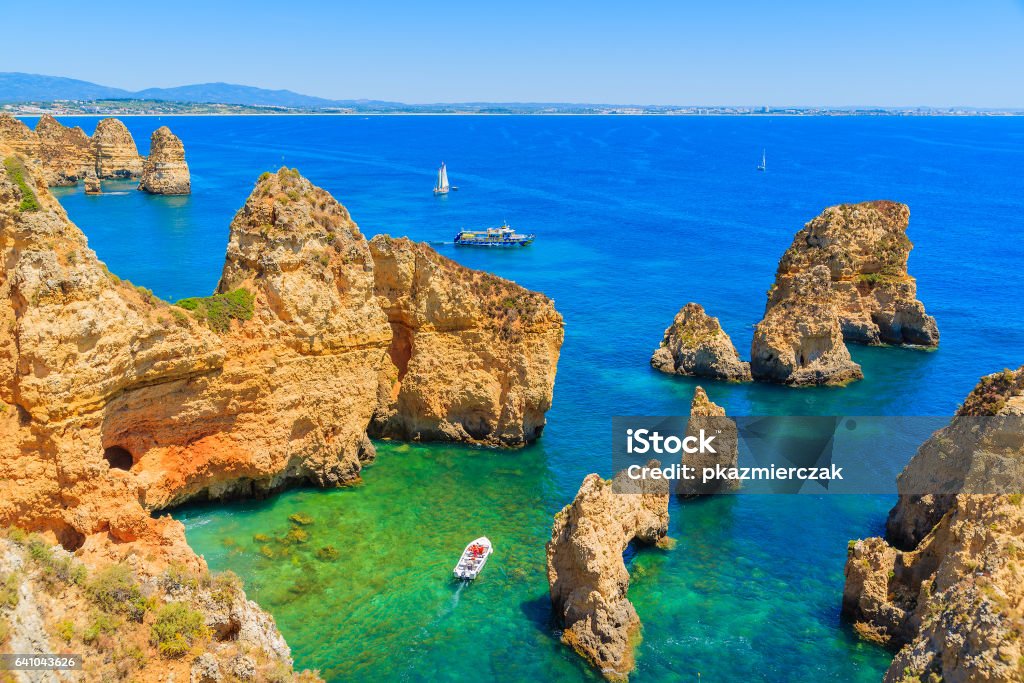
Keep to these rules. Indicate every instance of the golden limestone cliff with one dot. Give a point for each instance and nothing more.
(165, 170)
(115, 405)
(59, 155)
(473, 356)
(115, 152)
(587, 577)
(946, 588)
(695, 344)
(65, 153)
(865, 248)
(800, 340)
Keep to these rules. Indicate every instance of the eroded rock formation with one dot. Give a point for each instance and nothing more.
(114, 404)
(800, 340)
(473, 354)
(710, 417)
(165, 170)
(59, 155)
(65, 154)
(945, 587)
(865, 249)
(695, 344)
(115, 152)
(587, 577)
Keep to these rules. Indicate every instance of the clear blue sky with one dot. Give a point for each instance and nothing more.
(801, 52)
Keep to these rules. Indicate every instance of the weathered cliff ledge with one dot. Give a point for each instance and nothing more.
(945, 588)
(165, 170)
(695, 344)
(587, 577)
(710, 417)
(800, 341)
(865, 249)
(114, 404)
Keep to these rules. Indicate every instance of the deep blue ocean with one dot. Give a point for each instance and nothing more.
(634, 217)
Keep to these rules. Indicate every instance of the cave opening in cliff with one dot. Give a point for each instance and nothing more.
(118, 458)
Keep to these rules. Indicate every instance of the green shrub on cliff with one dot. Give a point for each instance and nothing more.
(219, 310)
(114, 590)
(16, 172)
(176, 628)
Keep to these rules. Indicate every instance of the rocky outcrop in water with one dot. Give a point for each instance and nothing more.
(473, 355)
(65, 154)
(709, 417)
(587, 578)
(115, 405)
(59, 155)
(865, 249)
(800, 340)
(115, 152)
(695, 344)
(165, 170)
(944, 588)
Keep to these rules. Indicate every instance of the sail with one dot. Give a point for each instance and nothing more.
(442, 178)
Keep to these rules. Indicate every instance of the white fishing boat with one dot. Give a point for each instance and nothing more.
(763, 165)
(442, 185)
(473, 559)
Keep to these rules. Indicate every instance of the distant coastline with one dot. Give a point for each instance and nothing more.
(166, 108)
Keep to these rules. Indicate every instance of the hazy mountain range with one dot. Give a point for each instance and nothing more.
(22, 87)
(31, 94)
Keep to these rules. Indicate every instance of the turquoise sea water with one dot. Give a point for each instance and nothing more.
(635, 216)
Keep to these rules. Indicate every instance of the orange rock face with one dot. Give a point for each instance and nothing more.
(165, 170)
(115, 151)
(116, 404)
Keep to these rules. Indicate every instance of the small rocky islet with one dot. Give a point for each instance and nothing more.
(843, 280)
(61, 156)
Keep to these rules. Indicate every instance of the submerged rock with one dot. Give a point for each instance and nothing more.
(115, 153)
(587, 577)
(165, 170)
(695, 344)
(944, 587)
(865, 249)
(800, 340)
(708, 416)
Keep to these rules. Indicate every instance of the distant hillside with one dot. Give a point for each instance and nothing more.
(22, 87)
(19, 87)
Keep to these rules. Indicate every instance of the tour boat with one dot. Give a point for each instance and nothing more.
(762, 166)
(442, 186)
(473, 559)
(493, 237)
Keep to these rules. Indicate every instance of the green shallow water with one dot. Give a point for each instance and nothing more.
(736, 597)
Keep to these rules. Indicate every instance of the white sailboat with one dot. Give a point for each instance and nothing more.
(442, 186)
(763, 165)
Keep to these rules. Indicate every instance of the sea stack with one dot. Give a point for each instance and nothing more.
(944, 587)
(800, 340)
(115, 153)
(707, 416)
(165, 170)
(696, 345)
(66, 154)
(92, 183)
(865, 249)
(587, 577)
